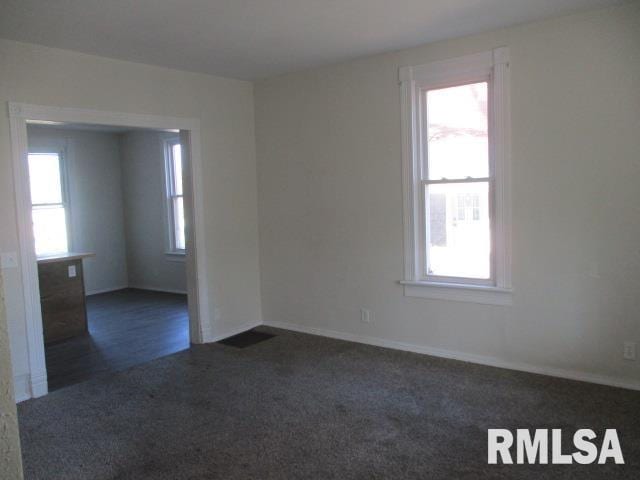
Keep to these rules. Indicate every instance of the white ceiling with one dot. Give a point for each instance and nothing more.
(250, 39)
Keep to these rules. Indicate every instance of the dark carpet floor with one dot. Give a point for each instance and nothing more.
(304, 407)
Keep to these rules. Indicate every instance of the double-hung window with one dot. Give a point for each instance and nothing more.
(175, 197)
(49, 207)
(456, 178)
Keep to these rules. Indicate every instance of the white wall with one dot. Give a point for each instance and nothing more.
(145, 214)
(46, 76)
(95, 200)
(10, 463)
(330, 201)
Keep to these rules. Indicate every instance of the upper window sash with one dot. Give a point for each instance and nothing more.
(490, 67)
(174, 187)
(423, 130)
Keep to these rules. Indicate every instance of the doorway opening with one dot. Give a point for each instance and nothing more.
(111, 239)
(109, 235)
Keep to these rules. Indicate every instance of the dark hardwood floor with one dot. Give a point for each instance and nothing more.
(126, 328)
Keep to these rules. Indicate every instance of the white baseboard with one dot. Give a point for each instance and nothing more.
(465, 357)
(39, 385)
(234, 331)
(106, 290)
(27, 386)
(21, 387)
(157, 289)
(138, 287)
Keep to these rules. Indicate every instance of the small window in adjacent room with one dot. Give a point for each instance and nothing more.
(456, 181)
(48, 203)
(175, 197)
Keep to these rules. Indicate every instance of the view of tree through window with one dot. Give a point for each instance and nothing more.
(457, 184)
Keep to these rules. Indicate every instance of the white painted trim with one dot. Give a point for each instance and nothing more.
(493, 65)
(21, 388)
(26, 246)
(106, 290)
(201, 328)
(482, 294)
(39, 385)
(444, 70)
(44, 113)
(465, 357)
(179, 257)
(243, 328)
(158, 289)
(196, 256)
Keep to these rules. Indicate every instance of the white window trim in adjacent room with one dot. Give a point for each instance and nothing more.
(491, 66)
(172, 253)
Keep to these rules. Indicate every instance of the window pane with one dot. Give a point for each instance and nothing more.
(178, 215)
(44, 177)
(459, 230)
(176, 156)
(50, 230)
(457, 132)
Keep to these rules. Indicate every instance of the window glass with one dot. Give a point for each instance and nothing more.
(457, 132)
(459, 230)
(50, 230)
(179, 222)
(176, 151)
(44, 177)
(48, 210)
(175, 201)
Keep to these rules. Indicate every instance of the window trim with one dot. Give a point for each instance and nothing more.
(491, 66)
(172, 253)
(64, 194)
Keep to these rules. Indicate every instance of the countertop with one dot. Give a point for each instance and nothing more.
(63, 257)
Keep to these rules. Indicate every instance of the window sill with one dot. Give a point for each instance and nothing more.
(176, 256)
(458, 292)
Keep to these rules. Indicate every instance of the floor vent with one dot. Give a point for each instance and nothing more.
(246, 339)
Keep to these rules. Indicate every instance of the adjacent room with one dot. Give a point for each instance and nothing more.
(108, 226)
(286, 239)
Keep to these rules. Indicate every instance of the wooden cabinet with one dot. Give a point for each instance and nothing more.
(62, 297)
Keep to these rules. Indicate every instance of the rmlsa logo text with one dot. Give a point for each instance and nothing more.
(544, 449)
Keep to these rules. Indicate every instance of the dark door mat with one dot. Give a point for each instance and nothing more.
(246, 339)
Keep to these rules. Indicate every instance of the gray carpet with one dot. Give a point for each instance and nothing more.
(304, 407)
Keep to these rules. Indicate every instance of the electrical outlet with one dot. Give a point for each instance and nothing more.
(365, 315)
(629, 351)
(72, 271)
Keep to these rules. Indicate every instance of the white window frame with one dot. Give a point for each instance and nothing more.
(64, 194)
(173, 253)
(492, 67)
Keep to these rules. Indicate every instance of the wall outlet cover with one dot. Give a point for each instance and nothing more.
(629, 351)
